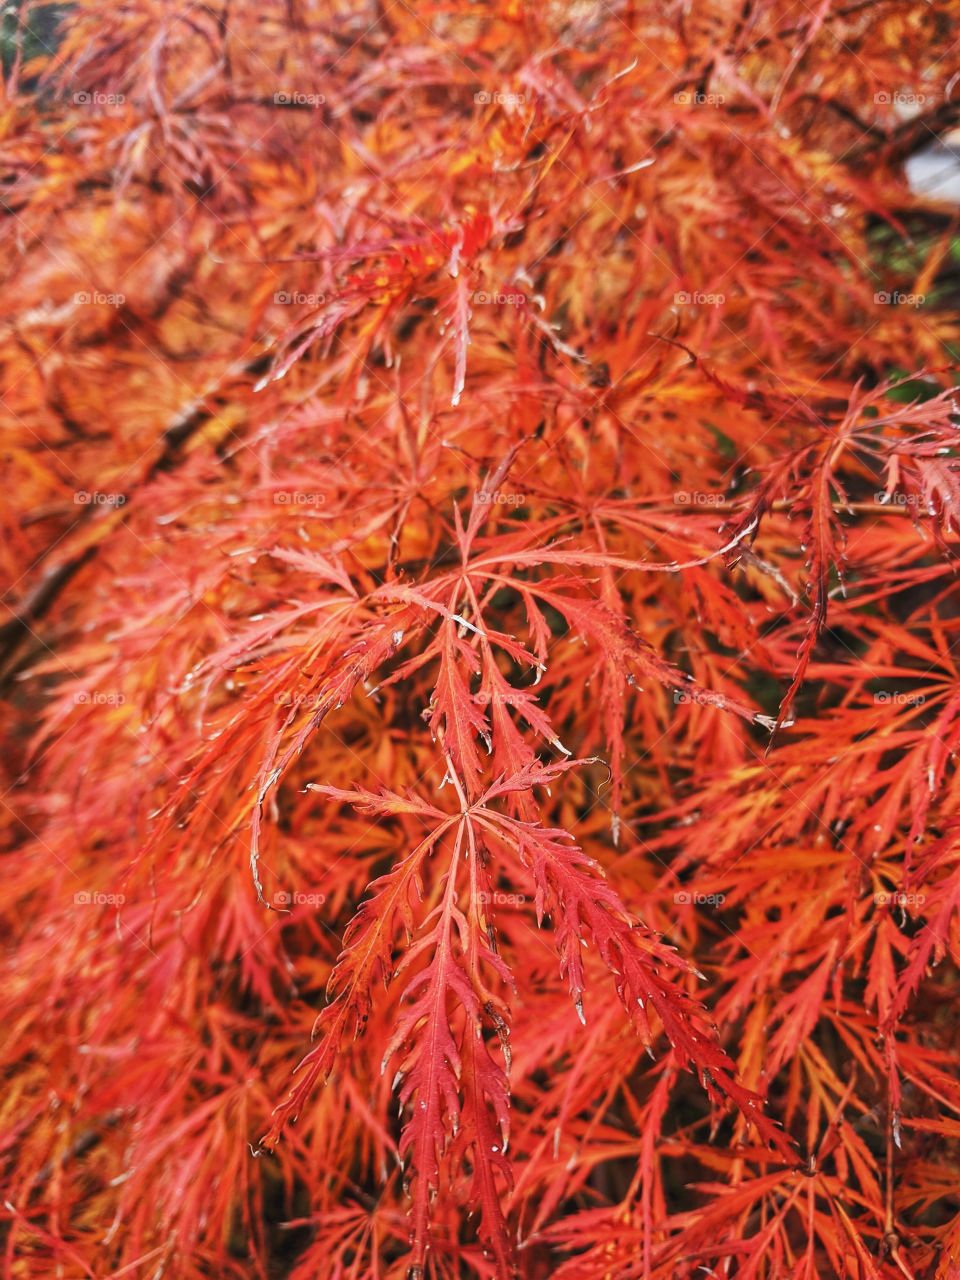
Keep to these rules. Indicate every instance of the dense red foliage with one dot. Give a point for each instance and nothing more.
(479, 563)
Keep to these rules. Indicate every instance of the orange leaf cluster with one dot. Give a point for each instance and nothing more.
(478, 646)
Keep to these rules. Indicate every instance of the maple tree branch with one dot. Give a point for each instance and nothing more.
(39, 598)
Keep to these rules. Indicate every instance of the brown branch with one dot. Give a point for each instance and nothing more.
(40, 598)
